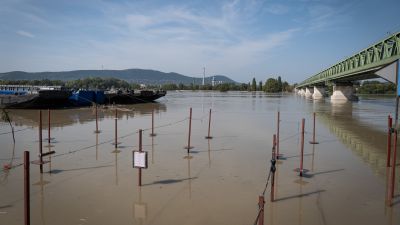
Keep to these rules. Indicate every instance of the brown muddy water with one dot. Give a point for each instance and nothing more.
(85, 183)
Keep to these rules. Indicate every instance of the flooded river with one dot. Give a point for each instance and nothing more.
(219, 182)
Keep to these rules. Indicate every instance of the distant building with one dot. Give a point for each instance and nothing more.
(215, 82)
(143, 86)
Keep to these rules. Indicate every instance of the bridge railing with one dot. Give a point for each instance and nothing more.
(373, 57)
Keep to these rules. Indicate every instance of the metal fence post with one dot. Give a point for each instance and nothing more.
(27, 213)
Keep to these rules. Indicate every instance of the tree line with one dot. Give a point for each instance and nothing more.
(86, 83)
(376, 87)
(271, 85)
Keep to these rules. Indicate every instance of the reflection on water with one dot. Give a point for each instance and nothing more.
(66, 117)
(366, 140)
(341, 108)
(139, 208)
(218, 182)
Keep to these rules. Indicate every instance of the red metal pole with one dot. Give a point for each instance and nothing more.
(313, 141)
(313, 128)
(302, 146)
(396, 119)
(190, 129)
(274, 156)
(97, 119)
(277, 135)
(140, 140)
(209, 126)
(48, 133)
(273, 186)
(152, 122)
(40, 142)
(389, 141)
(140, 150)
(274, 147)
(394, 165)
(27, 206)
(261, 203)
(116, 128)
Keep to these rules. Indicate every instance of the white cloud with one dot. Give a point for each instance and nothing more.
(325, 16)
(277, 9)
(176, 22)
(188, 57)
(25, 34)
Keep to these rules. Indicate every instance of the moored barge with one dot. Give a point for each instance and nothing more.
(36, 97)
(27, 96)
(133, 96)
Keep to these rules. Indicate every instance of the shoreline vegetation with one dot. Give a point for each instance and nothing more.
(271, 85)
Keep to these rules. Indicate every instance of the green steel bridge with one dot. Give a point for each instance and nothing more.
(360, 66)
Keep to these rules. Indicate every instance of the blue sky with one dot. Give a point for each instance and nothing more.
(293, 39)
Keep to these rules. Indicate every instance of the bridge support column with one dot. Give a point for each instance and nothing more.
(309, 92)
(343, 92)
(319, 93)
(302, 92)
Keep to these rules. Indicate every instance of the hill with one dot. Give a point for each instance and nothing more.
(140, 76)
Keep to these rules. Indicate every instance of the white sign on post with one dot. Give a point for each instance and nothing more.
(139, 159)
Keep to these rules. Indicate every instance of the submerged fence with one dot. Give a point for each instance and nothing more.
(275, 154)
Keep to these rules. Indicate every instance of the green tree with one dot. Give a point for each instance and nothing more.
(271, 86)
(286, 87)
(223, 87)
(280, 83)
(260, 86)
(254, 84)
(169, 87)
(376, 87)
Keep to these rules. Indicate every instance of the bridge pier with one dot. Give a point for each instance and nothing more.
(343, 92)
(319, 93)
(302, 92)
(309, 92)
